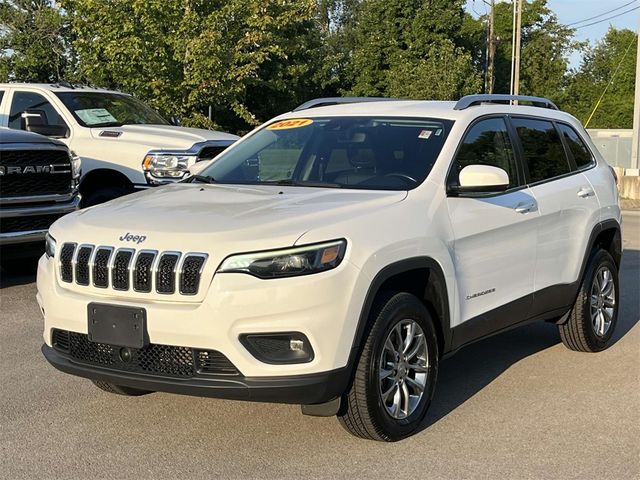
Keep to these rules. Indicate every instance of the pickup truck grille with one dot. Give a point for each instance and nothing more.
(35, 172)
(125, 269)
(27, 222)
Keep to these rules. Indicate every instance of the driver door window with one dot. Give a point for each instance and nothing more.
(32, 101)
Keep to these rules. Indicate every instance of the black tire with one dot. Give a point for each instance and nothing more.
(119, 389)
(578, 332)
(363, 412)
(103, 194)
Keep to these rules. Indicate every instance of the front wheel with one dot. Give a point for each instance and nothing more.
(396, 373)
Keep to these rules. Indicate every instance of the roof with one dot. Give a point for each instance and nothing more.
(55, 87)
(424, 109)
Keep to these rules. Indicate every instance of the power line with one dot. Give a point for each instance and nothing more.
(602, 14)
(608, 18)
(610, 82)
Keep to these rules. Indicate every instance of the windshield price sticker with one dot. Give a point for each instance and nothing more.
(93, 116)
(293, 123)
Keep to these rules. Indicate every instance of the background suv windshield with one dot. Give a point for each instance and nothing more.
(97, 109)
(353, 152)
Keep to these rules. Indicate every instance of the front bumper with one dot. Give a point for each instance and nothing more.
(297, 389)
(39, 213)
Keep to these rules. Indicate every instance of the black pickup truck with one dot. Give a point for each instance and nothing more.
(38, 184)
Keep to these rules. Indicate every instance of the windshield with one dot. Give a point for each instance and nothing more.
(349, 152)
(97, 109)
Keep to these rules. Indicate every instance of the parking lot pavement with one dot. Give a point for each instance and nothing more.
(518, 405)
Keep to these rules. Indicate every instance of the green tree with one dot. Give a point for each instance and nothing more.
(246, 60)
(33, 41)
(616, 51)
(411, 48)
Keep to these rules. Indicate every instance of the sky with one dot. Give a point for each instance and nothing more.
(570, 11)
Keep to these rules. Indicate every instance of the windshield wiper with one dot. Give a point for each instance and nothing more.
(304, 183)
(106, 124)
(200, 178)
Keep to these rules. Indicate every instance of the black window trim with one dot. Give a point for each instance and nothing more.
(573, 170)
(572, 160)
(18, 91)
(521, 184)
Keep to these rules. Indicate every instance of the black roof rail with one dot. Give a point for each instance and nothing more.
(471, 100)
(325, 102)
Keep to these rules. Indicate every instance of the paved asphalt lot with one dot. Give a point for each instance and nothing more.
(518, 405)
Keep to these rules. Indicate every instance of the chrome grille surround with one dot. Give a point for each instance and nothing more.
(126, 269)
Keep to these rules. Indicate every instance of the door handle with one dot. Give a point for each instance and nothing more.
(585, 192)
(524, 207)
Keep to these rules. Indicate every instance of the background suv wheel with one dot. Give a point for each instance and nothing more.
(396, 373)
(594, 316)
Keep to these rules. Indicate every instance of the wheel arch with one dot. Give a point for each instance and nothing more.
(101, 177)
(421, 276)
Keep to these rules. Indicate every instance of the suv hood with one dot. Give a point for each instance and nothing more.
(164, 136)
(205, 218)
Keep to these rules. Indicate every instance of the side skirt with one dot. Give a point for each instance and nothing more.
(546, 304)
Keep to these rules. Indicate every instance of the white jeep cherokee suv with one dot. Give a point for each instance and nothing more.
(332, 257)
(123, 143)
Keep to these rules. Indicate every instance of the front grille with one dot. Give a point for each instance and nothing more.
(143, 271)
(165, 276)
(82, 264)
(213, 362)
(35, 182)
(190, 276)
(154, 359)
(142, 276)
(120, 270)
(66, 262)
(101, 267)
(27, 223)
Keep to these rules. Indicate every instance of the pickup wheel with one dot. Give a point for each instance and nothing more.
(594, 315)
(119, 389)
(396, 373)
(103, 194)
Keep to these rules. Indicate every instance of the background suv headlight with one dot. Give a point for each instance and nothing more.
(76, 165)
(49, 246)
(161, 166)
(288, 262)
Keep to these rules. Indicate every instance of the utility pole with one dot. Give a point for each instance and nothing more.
(513, 46)
(517, 47)
(635, 145)
(491, 51)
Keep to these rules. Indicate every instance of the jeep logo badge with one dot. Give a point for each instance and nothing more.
(129, 237)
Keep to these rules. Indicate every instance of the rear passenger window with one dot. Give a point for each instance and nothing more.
(487, 143)
(543, 150)
(581, 153)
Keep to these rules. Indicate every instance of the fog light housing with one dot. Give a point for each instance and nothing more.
(278, 348)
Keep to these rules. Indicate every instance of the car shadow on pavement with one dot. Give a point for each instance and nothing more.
(22, 277)
(474, 367)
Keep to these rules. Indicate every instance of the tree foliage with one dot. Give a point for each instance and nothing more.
(244, 61)
(33, 41)
(617, 50)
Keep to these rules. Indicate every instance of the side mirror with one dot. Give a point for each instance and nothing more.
(175, 121)
(482, 179)
(36, 121)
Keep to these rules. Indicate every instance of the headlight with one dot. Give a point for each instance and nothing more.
(289, 262)
(167, 166)
(49, 246)
(76, 164)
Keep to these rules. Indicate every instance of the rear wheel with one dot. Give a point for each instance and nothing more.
(119, 389)
(396, 373)
(594, 316)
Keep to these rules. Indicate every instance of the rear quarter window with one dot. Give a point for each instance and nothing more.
(581, 153)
